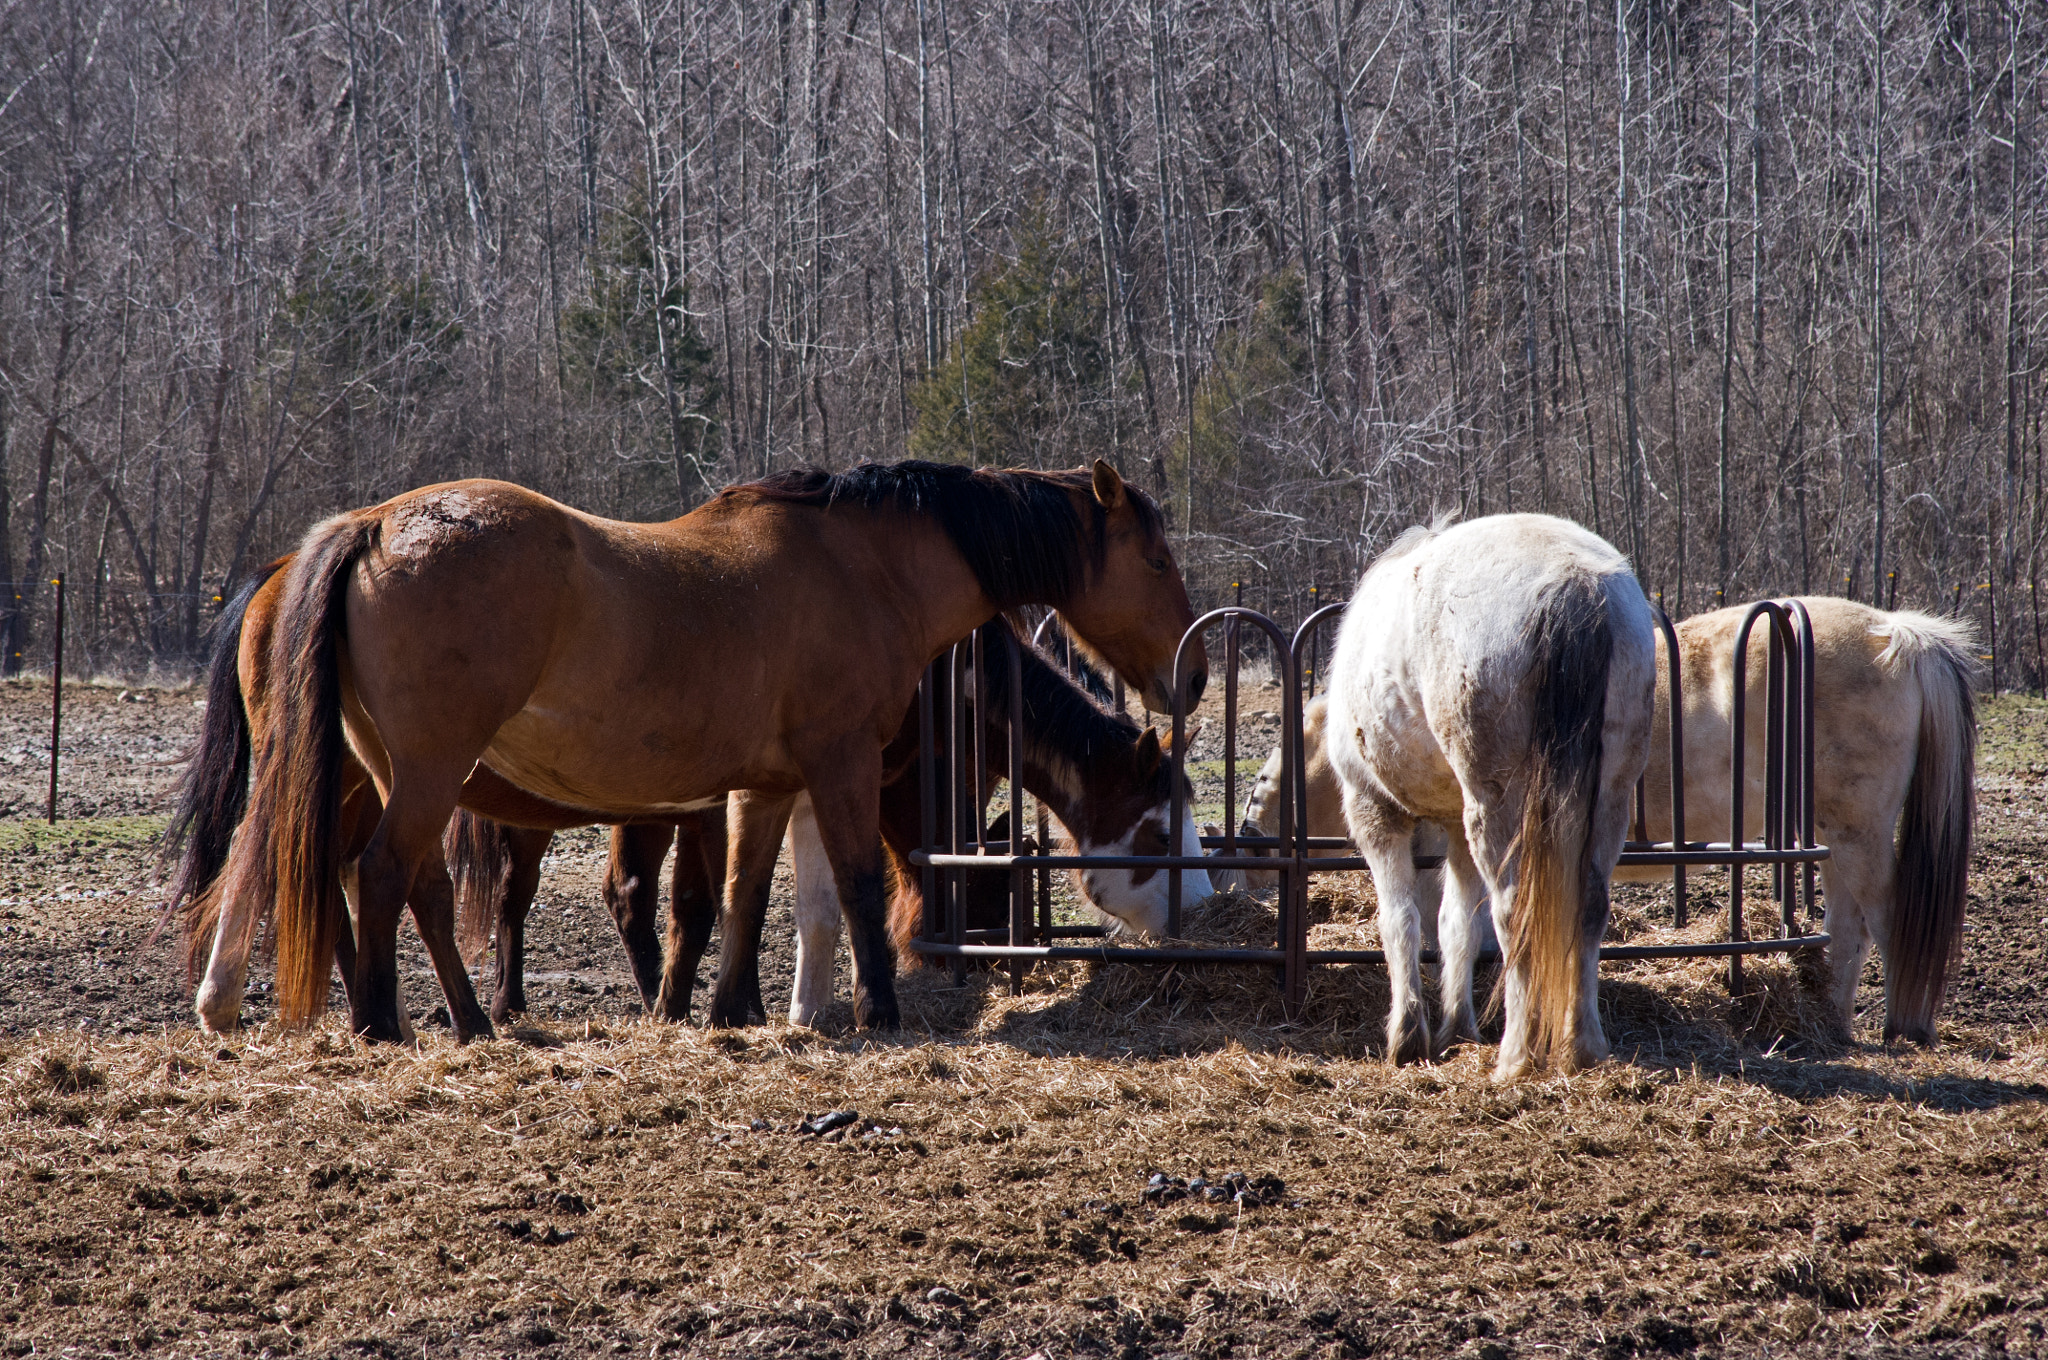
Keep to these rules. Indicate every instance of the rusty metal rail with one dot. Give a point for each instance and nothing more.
(960, 843)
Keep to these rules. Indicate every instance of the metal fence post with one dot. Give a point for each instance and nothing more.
(56, 697)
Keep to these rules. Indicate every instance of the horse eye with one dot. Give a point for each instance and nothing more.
(1157, 563)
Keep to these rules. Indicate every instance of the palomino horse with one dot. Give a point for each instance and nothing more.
(1895, 760)
(1495, 677)
(1894, 773)
(1105, 780)
(769, 640)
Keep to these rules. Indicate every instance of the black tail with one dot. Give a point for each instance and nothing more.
(1560, 898)
(215, 789)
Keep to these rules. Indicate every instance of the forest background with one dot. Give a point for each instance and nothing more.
(1752, 287)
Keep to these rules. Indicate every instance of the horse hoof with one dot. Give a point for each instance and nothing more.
(727, 1016)
(877, 1014)
(1408, 1046)
(1919, 1035)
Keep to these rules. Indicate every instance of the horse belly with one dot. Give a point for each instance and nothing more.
(584, 763)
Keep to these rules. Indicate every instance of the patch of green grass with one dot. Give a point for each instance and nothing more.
(2012, 734)
(83, 833)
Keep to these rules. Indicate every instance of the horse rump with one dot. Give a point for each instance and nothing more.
(1560, 896)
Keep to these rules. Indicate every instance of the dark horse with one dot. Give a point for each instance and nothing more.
(769, 640)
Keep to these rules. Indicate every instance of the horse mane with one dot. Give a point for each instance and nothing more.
(1019, 530)
(1080, 666)
(1059, 714)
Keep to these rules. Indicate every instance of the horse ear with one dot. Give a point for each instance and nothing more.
(1148, 754)
(1194, 729)
(1109, 487)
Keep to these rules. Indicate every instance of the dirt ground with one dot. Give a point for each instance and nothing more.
(1019, 1174)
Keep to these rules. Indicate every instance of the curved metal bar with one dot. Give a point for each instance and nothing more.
(1290, 735)
(1810, 732)
(1020, 875)
(1296, 916)
(1675, 703)
(1738, 778)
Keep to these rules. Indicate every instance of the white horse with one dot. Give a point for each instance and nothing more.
(1894, 772)
(1496, 677)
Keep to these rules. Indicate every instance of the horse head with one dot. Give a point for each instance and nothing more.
(1129, 810)
(1134, 609)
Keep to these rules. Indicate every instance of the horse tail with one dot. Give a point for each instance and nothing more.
(1559, 894)
(214, 791)
(1936, 823)
(479, 854)
(292, 851)
(906, 909)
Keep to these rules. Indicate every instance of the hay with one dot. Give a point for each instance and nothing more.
(1739, 1180)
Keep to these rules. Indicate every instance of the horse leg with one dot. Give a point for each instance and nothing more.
(1385, 837)
(632, 891)
(522, 885)
(219, 1000)
(345, 954)
(1858, 879)
(1489, 834)
(1460, 935)
(845, 792)
(695, 899)
(432, 899)
(758, 821)
(407, 836)
(817, 917)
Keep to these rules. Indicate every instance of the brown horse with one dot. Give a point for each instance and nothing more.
(218, 933)
(1105, 779)
(768, 640)
(496, 869)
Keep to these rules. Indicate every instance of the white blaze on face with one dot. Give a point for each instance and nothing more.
(1142, 907)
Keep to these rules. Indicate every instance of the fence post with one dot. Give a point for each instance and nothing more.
(56, 697)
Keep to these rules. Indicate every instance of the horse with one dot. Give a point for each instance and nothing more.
(1894, 785)
(1104, 780)
(1496, 677)
(1894, 770)
(768, 640)
(496, 867)
(496, 872)
(212, 800)
(1108, 785)
(218, 933)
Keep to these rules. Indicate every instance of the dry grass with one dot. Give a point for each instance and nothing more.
(1743, 1182)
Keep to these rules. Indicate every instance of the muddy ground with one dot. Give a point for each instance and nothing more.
(1741, 1182)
